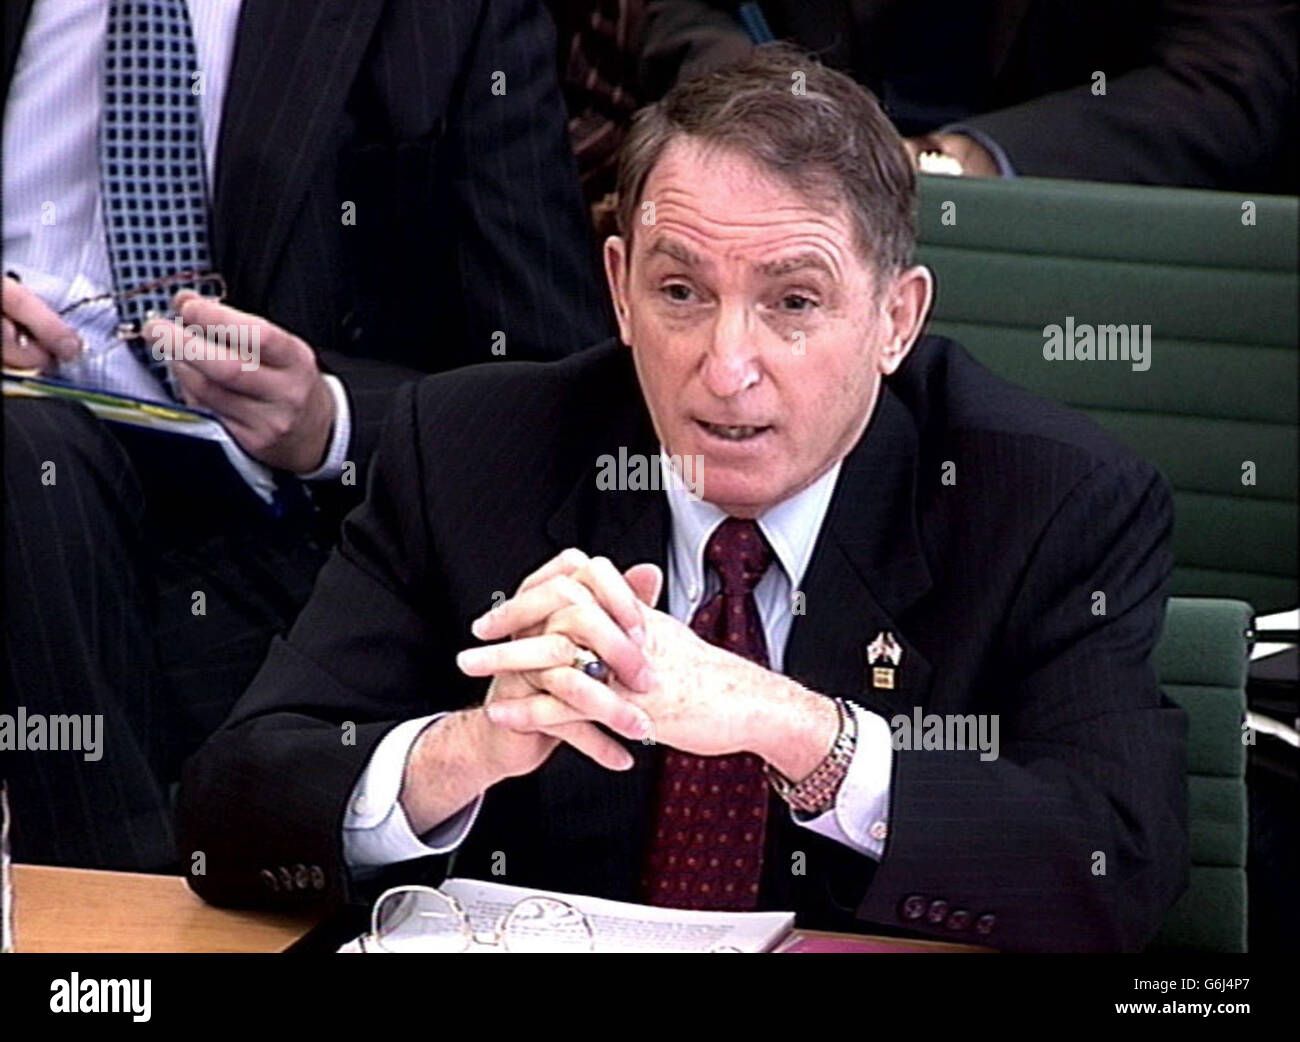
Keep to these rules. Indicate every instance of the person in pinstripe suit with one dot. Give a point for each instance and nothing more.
(878, 529)
(392, 194)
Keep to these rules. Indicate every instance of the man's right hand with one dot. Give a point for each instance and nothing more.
(460, 756)
(34, 336)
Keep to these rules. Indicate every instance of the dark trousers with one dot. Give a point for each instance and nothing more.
(139, 588)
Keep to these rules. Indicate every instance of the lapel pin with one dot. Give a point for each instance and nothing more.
(886, 651)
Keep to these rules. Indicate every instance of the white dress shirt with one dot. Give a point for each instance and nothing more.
(376, 831)
(53, 227)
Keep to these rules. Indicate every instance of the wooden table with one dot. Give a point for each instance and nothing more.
(82, 910)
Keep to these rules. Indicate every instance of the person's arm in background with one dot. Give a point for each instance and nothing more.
(1074, 837)
(512, 251)
(686, 38)
(1213, 108)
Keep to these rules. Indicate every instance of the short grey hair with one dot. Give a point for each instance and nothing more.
(829, 141)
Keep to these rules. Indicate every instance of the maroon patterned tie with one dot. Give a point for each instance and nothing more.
(706, 843)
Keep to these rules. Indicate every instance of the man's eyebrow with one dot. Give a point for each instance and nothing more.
(786, 265)
(677, 251)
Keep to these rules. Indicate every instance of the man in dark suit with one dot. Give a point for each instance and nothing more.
(1146, 91)
(862, 543)
(392, 194)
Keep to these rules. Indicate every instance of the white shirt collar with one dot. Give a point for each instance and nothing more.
(791, 527)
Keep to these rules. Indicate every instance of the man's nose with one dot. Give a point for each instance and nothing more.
(731, 364)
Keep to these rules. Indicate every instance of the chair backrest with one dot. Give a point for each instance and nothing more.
(1214, 276)
(1202, 661)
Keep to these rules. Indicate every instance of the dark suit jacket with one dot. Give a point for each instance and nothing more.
(988, 585)
(1197, 93)
(468, 218)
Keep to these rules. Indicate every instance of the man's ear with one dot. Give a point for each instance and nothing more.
(616, 272)
(906, 304)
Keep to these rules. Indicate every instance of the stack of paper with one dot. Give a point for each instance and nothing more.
(619, 926)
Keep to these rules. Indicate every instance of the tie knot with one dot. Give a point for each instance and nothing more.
(739, 554)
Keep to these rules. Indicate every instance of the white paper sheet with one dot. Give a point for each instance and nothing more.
(619, 926)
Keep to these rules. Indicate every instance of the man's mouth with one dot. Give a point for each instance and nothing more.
(733, 432)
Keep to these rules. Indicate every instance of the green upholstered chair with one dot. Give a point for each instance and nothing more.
(1201, 662)
(1220, 296)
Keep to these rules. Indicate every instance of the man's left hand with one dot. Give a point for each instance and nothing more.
(703, 699)
(276, 406)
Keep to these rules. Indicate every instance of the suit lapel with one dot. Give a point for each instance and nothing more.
(868, 568)
(16, 14)
(290, 75)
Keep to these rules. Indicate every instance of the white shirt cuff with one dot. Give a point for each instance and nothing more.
(860, 817)
(376, 831)
(341, 436)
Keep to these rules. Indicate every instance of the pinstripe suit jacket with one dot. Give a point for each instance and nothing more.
(1200, 92)
(987, 584)
(468, 219)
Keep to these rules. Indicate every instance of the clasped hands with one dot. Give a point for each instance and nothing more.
(667, 685)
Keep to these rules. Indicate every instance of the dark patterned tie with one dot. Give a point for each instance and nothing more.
(152, 177)
(706, 840)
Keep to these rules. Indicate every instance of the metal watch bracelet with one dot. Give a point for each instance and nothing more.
(816, 793)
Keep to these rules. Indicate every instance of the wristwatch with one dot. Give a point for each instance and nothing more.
(933, 161)
(933, 158)
(816, 793)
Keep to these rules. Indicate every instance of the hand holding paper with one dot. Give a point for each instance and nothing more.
(35, 338)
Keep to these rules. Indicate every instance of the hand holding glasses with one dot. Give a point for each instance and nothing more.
(23, 321)
(209, 284)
